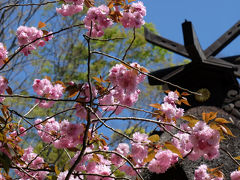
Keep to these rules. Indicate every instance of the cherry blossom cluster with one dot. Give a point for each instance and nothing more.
(133, 17)
(3, 54)
(163, 160)
(102, 166)
(140, 147)
(97, 20)
(201, 173)
(35, 161)
(125, 87)
(46, 89)
(70, 7)
(203, 141)
(3, 86)
(62, 135)
(169, 108)
(26, 35)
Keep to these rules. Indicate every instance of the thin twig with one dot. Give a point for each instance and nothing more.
(31, 4)
(171, 134)
(130, 45)
(107, 125)
(132, 108)
(229, 154)
(140, 119)
(39, 98)
(111, 39)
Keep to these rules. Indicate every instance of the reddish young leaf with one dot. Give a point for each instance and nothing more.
(237, 158)
(96, 158)
(103, 142)
(185, 101)
(127, 66)
(45, 32)
(151, 155)
(60, 82)
(56, 170)
(129, 1)
(110, 5)
(41, 24)
(222, 121)
(184, 94)
(167, 91)
(209, 116)
(48, 78)
(9, 90)
(89, 3)
(158, 106)
(177, 93)
(143, 69)
(226, 130)
(105, 137)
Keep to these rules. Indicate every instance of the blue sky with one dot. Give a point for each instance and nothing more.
(211, 18)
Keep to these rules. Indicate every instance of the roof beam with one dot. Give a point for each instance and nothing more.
(223, 41)
(165, 43)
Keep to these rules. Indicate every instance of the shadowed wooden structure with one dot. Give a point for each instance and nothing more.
(215, 78)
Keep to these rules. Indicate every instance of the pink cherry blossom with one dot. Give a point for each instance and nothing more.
(45, 88)
(101, 170)
(134, 16)
(122, 149)
(171, 98)
(201, 173)
(205, 142)
(139, 147)
(183, 144)
(235, 175)
(49, 131)
(125, 90)
(96, 20)
(69, 9)
(162, 161)
(26, 35)
(62, 135)
(3, 86)
(169, 107)
(37, 163)
(3, 54)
